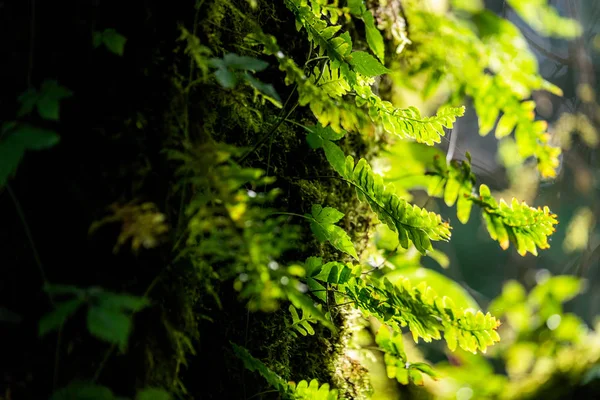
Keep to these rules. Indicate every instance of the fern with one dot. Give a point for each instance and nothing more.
(487, 43)
(425, 313)
(301, 324)
(312, 391)
(397, 365)
(301, 391)
(455, 180)
(408, 221)
(340, 114)
(526, 227)
(407, 123)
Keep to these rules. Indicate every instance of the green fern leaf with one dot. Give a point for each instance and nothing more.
(526, 227)
(312, 391)
(255, 365)
(425, 313)
(322, 222)
(302, 324)
(408, 221)
(397, 365)
(407, 123)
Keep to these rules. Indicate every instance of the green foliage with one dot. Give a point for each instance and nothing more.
(302, 324)
(322, 222)
(409, 221)
(397, 365)
(312, 391)
(456, 181)
(46, 100)
(17, 137)
(486, 43)
(545, 354)
(114, 41)
(233, 68)
(302, 391)
(374, 38)
(543, 18)
(425, 313)
(526, 227)
(108, 316)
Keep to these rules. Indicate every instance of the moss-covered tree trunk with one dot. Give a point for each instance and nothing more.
(125, 114)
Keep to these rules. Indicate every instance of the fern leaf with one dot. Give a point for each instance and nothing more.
(255, 365)
(408, 122)
(331, 81)
(312, 391)
(397, 365)
(409, 221)
(455, 181)
(425, 313)
(302, 391)
(526, 227)
(302, 324)
(322, 225)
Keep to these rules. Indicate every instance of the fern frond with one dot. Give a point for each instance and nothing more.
(455, 181)
(290, 391)
(302, 324)
(408, 122)
(331, 81)
(526, 227)
(312, 391)
(321, 35)
(425, 313)
(409, 221)
(396, 363)
(255, 365)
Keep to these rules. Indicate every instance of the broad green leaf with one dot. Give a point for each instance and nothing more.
(327, 215)
(321, 224)
(114, 41)
(55, 319)
(244, 63)
(314, 140)
(463, 209)
(109, 325)
(47, 100)
(226, 78)
(124, 302)
(265, 88)
(153, 394)
(34, 138)
(11, 152)
(366, 64)
(335, 156)
(374, 37)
